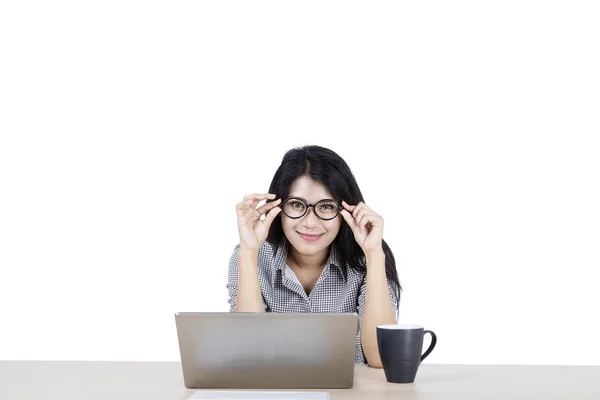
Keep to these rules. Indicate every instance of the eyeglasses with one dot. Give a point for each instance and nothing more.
(325, 209)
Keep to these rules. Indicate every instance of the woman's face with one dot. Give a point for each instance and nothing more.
(295, 230)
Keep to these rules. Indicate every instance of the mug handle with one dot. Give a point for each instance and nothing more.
(431, 346)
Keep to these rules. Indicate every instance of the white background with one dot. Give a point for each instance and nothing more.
(129, 131)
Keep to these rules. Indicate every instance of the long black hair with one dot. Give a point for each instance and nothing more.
(326, 167)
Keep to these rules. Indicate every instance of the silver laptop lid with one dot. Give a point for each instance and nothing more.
(267, 350)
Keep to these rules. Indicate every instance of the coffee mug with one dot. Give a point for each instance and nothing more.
(400, 348)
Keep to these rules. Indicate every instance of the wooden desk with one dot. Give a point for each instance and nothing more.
(90, 380)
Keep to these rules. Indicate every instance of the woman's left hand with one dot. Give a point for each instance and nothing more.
(366, 225)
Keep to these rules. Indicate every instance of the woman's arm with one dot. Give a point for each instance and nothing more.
(367, 227)
(378, 307)
(244, 293)
(249, 297)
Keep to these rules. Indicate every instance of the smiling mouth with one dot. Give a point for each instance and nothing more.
(309, 238)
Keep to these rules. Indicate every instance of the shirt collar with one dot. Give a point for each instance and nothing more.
(281, 257)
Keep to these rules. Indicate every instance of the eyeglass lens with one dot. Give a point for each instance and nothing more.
(325, 209)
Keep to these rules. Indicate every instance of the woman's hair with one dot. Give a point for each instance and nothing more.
(329, 169)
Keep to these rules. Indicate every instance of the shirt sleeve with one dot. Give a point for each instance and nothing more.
(360, 356)
(232, 279)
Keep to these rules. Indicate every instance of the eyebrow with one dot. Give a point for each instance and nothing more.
(306, 201)
(291, 196)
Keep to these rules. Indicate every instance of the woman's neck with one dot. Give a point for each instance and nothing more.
(313, 261)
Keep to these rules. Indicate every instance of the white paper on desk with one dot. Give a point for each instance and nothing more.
(250, 395)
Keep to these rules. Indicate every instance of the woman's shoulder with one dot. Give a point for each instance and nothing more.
(265, 249)
(268, 255)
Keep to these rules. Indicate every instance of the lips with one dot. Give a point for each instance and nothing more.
(309, 238)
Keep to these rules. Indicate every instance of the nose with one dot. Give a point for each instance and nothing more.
(310, 219)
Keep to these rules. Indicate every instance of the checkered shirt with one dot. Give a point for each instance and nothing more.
(338, 289)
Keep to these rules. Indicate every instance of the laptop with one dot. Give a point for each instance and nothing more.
(267, 350)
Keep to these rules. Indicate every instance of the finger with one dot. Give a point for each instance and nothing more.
(244, 208)
(357, 209)
(271, 216)
(359, 223)
(245, 204)
(365, 207)
(249, 216)
(251, 201)
(348, 206)
(362, 214)
(256, 203)
(241, 209)
(359, 218)
(258, 197)
(241, 205)
(349, 219)
(368, 219)
(245, 219)
(266, 207)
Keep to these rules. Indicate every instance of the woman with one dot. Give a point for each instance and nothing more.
(315, 246)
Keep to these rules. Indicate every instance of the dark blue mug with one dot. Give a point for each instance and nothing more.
(400, 348)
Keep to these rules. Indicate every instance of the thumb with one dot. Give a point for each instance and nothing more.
(271, 216)
(350, 220)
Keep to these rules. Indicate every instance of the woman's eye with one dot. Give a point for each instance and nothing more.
(327, 207)
(296, 204)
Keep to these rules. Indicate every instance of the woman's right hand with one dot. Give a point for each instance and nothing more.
(252, 229)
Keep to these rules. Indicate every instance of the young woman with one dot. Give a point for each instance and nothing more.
(315, 246)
